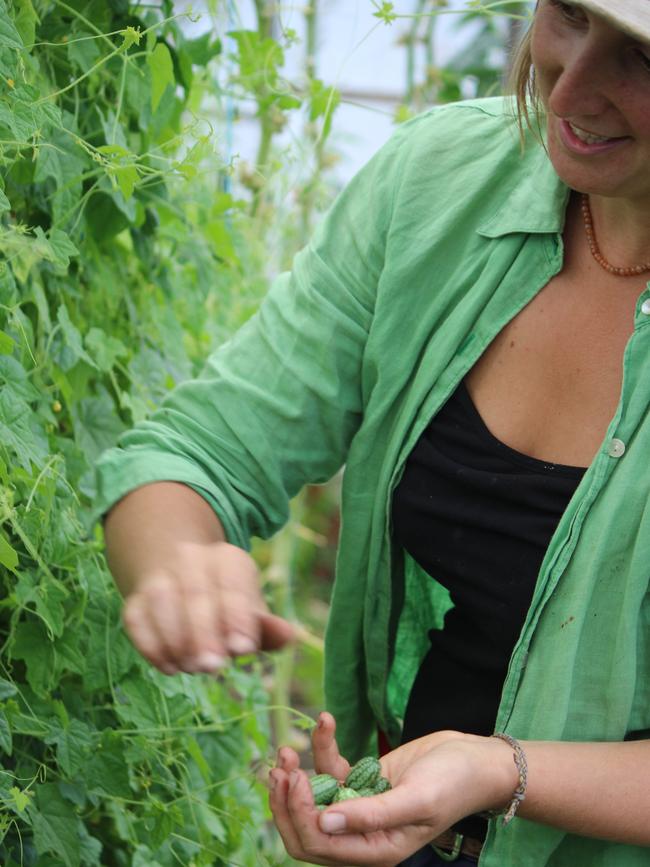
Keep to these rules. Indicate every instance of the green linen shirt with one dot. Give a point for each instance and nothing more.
(446, 234)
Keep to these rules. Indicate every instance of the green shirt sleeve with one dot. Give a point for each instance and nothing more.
(277, 405)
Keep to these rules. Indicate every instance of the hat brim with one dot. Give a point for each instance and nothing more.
(631, 16)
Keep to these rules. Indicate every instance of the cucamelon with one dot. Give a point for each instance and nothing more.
(324, 787)
(367, 792)
(364, 774)
(344, 794)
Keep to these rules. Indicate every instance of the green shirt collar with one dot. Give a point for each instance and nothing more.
(524, 209)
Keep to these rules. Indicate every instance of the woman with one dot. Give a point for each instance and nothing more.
(456, 334)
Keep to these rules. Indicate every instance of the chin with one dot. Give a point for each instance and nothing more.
(594, 179)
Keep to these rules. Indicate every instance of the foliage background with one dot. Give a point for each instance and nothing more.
(129, 248)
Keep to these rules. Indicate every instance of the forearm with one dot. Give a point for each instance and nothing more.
(591, 789)
(144, 527)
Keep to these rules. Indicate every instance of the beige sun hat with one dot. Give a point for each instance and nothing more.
(632, 16)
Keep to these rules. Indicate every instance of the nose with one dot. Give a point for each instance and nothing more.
(585, 82)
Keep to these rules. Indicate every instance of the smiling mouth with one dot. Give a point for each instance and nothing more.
(590, 137)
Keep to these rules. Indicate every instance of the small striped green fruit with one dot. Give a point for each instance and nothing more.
(344, 794)
(364, 774)
(324, 788)
(382, 785)
(366, 792)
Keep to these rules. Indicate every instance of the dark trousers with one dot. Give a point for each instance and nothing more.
(427, 858)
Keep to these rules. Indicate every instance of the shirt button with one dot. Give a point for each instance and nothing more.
(616, 448)
(645, 307)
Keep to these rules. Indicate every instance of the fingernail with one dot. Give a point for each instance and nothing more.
(332, 823)
(209, 661)
(272, 781)
(240, 644)
(321, 721)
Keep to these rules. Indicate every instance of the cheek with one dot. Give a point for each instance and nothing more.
(545, 63)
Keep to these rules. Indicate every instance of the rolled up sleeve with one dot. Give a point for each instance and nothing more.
(278, 404)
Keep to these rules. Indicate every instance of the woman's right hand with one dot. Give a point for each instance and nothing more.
(200, 608)
(192, 600)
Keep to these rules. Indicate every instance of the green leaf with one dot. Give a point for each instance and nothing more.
(104, 348)
(73, 747)
(64, 162)
(19, 431)
(5, 204)
(31, 644)
(6, 744)
(56, 826)
(49, 598)
(6, 344)
(140, 703)
(20, 799)
(385, 12)
(97, 424)
(202, 49)
(7, 689)
(131, 36)
(107, 771)
(9, 36)
(8, 556)
(162, 73)
(72, 336)
(26, 20)
(194, 750)
(127, 177)
(62, 247)
(83, 50)
(323, 103)
(90, 848)
(69, 656)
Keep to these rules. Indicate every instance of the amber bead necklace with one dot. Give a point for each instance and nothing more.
(632, 271)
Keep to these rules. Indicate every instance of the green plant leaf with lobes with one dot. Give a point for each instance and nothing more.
(73, 747)
(97, 424)
(127, 177)
(31, 644)
(104, 348)
(56, 826)
(62, 247)
(72, 336)
(26, 20)
(8, 556)
(6, 344)
(107, 772)
(48, 598)
(7, 689)
(19, 798)
(162, 73)
(9, 36)
(6, 743)
(17, 431)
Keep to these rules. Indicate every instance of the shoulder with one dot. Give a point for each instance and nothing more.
(464, 157)
(476, 135)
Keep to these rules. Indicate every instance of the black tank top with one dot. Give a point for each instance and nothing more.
(478, 516)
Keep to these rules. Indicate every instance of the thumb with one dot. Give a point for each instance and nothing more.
(276, 632)
(393, 809)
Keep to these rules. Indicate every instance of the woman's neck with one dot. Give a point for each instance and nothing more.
(621, 228)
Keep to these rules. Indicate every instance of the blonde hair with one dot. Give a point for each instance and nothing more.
(521, 84)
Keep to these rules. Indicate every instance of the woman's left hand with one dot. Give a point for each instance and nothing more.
(437, 780)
